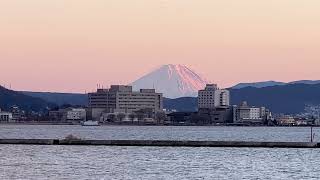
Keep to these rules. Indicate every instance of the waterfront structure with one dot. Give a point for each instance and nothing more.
(122, 99)
(5, 116)
(212, 97)
(286, 121)
(214, 104)
(181, 118)
(217, 115)
(76, 114)
(68, 114)
(56, 115)
(250, 114)
(17, 113)
(305, 122)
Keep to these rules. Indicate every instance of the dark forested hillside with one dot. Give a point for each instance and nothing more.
(290, 98)
(60, 98)
(9, 98)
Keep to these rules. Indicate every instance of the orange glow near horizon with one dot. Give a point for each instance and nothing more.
(71, 45)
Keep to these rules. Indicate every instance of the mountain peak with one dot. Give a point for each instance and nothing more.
(173, 80)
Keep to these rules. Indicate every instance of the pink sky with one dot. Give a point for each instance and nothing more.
(71, 45)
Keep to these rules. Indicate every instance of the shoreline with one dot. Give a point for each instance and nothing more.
(160, 143)
(141, 124)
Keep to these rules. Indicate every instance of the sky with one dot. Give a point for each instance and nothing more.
(71, 45)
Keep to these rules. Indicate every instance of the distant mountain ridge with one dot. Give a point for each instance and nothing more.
(258, 84)
(289, 98)
(189, 104)
(273, 83)
(60, 98)
(305, 82)
(173, 81)
(10, 98)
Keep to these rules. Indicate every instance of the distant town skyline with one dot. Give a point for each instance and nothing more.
(70, 46)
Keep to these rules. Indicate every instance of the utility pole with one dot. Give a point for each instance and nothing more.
(311, 134)
(318, 109)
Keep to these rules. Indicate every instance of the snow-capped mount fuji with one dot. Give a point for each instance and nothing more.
(173, 81)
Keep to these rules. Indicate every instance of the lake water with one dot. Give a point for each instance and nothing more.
(105, 162)
(300, 134)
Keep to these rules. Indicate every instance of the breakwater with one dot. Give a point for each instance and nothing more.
(162, 143)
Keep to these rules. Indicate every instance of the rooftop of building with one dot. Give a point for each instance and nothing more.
(123, 88)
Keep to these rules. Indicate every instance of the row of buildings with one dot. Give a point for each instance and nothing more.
(214, 104)
(213, 107)
(119, 103)
(14, 115)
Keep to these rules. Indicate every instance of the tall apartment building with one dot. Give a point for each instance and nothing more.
(213, 97)
(120, 98)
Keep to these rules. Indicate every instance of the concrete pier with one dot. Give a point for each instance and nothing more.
(162, 143)
(29, 141)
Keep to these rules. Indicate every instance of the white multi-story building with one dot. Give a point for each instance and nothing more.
(76, 114)
(255, 113)
(5, 116)
(121, 99)
(245, 113)
(213, 97)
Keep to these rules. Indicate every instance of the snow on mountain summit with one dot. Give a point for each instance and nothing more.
(172, 80)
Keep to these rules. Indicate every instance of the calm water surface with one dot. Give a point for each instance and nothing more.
(161, 132)
(104, 162)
